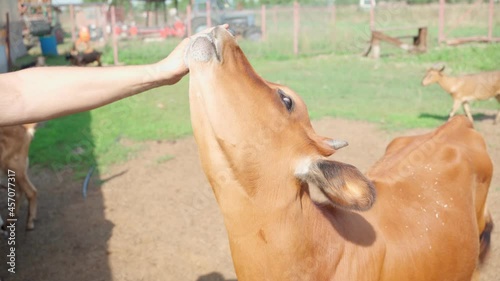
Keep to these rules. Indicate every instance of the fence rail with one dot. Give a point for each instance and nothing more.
(289, 30)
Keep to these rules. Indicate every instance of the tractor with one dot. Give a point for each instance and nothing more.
(241, 22)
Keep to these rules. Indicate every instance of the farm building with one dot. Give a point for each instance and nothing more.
(17, 48)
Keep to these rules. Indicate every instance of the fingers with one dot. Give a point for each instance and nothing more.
(175, 66)
(208, 30)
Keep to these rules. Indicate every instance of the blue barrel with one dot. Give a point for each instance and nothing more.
(49, 45)
(3, 59)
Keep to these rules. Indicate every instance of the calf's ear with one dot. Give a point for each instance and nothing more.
(342, 184)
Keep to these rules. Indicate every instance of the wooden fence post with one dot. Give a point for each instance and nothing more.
(263, 22)
(333, 19)
(7, 42)
(209, 17)
(72, 21)
(334, 14)
(188, 12)
(372, 14)
(490, 21)
(113, 33)
(296, 23)
(104, 23)
(441, 21)
(275, 18)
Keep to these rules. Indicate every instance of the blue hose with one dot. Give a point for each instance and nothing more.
(86, 182)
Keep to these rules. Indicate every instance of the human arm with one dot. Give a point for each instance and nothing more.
(37, 94)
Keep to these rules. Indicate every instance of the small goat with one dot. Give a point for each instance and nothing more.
(77, 58)
(466, 88)
(82, 59)
(14, 147)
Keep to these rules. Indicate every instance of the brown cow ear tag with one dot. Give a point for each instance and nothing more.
(342, 184)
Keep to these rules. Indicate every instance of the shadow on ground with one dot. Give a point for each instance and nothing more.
(71, 232)
(476, 117)
(159, 220)
(214, 276)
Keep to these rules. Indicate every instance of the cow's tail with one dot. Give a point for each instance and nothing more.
(485, 237)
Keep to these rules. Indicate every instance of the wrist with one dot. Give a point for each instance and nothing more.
(173, 68)
(155, 75)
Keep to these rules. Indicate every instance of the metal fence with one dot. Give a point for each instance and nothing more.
(289, 30)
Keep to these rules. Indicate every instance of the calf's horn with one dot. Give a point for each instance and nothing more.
(337, 144)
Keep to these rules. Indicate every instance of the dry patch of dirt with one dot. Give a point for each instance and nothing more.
(155, 217)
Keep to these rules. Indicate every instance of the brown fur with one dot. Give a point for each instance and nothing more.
(335, 181)
(14, 147)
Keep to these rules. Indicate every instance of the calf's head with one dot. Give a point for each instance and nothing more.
(433, 75)
(261, 131)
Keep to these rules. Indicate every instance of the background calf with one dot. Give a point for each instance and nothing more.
(14, 147)
(466, 88)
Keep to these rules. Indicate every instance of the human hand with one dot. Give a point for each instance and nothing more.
(173, 68)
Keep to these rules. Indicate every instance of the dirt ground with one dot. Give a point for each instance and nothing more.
(155, 218)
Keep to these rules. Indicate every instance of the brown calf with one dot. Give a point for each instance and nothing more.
(262, 158)
(467, 88)
(14, 147)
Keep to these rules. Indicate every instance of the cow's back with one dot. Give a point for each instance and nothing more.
(430, 210)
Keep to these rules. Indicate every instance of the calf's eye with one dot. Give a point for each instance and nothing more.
(287, 100)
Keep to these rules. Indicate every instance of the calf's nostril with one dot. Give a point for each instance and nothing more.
(202, 49)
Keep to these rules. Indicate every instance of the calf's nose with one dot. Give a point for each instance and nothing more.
(202, 48)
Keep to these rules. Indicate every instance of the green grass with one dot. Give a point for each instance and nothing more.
(113, 133)
(138, 52)
(361, 89)
(338, 82)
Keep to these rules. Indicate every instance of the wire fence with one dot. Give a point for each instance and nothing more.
(289, 30)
